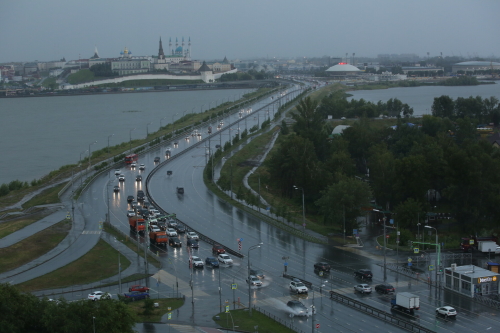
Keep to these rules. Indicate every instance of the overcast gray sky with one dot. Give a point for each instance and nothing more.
(51, 29)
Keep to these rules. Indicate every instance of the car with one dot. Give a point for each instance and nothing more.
(197, 262)
(136, 295)
(157, 159)
(217, 146)
(384, 288)
(342, 118)
(168, 149)
(133, 164)
(171, 232)
(138, 287)
(192, 235)
(225, 259)
(98, 295)
(138, 178)
(172, 223)
(143, 212)
(133, 204)
(130, 198)
(117, 172)
(142, 167)
(257, 272)
(140, 195)
(193, 243)
(212, 262)
(363, 288)
(116, 188)
(174, 242)
(176, 143)
(217, 248)
(162, 225)
(298, 286)
(497, 250)
(145, 204)
(446, 311)
(180, 190)
(130, 213)
(155, 212)
(154, 228)
(121, 177)
(180, 228)
(297, 308)
(322, 266)
(363, 274)
(254, 281)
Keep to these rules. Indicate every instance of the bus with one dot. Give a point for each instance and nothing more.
(131, 158)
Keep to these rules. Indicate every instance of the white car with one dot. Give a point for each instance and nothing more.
(298, 286)
(117, 172)
(254, 281)
(363, 288)
(155, 212)
(121, 177)
(133, 164)
(197, 262)
(446, 311)
(497, 250)
(97, 295)
(225, 259)
(192, 235)
(142, 167)
(130, 213)
(154, 228)
(171, 232)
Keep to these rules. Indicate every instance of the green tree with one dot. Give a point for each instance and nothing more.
(443, 107)
(407, 213)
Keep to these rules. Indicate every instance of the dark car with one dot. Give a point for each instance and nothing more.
(138, 178)
(322, 266)
(212, 262)
(140, 195)
(130, 198)
(193, 243)
(157, 159)
(136, 295)
(138, 287)
(384, 288)
(180, 228)
(297, 308)
(174, 242)
(363, 274)
(162, 225)
(180, 190)
(217, 248)
(143, 212)
(162, 218)
(257, 272)
(116, 188)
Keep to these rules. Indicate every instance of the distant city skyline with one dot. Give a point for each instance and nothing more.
(52, 29)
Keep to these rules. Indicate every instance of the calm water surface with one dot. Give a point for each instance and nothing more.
(41, 134)
(421, 98)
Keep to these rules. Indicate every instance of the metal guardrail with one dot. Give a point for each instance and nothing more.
(379, 314)
(291, 277)
(278, 319)
(487, 301)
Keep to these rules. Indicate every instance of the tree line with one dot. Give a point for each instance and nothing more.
(407, 169)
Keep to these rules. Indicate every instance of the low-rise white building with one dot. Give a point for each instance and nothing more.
(470, 280)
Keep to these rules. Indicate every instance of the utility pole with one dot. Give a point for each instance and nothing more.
(146, 240)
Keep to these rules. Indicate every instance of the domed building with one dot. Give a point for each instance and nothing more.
(343, 70)
(471, 66)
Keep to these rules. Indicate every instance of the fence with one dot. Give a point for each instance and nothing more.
(279, 320)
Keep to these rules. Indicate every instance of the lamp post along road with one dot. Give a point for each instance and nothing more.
(303, 206)
(90, 151)
(109, 136)
(130, 140)
(438, 256)
(147, 129)
(385, 246)
(248, 274)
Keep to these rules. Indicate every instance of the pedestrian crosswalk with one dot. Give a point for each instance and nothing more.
(91, 232)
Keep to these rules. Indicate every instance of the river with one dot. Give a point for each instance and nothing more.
(41, 134)
(421, 98)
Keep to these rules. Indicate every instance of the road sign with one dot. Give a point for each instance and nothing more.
(471, 242)
(239, 246)
(68, 217)
(410, 259)
(234, 286)
(409, 264)
(387, 236)
(431, 267)
(354, 231)
(320, 273)
(399, 233)
(227, 308)
(416, 250)
(317, 326)
(391, 221)
(169, 316)
(286, 264)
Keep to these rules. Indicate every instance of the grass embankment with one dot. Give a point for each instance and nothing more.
(33, 247)
(163, 304)
(243, 322)
(48, 196)
(8, 227)
(130, 243)
(98, 264)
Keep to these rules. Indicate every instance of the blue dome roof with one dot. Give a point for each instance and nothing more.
(178, 49)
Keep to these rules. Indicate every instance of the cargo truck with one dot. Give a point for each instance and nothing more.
(487, 246)
(406, 302)
(137, 224)
(158, 238)
(471, 243)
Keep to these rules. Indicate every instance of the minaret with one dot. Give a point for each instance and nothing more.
(96, 55)
(170, 46)
(183, 52)
(176, 44)
(189, 49)
(161, 55)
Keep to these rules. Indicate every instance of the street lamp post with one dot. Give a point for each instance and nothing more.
(201, 108)
(438, 255)
(130, 140)
(173, 122)
(303, 206)
(385, 247)
(147, 129)
(161, 121)
(248, 274)
(90, 151)
(109, 136)
(192, 110)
